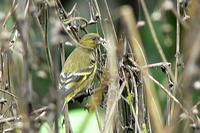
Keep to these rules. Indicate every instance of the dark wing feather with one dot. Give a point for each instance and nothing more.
(68, 81)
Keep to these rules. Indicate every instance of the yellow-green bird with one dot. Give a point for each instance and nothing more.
(80, 67)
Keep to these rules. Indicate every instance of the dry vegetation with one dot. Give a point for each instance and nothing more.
(32, 51)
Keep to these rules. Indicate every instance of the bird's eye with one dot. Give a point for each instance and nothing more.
(95, 39)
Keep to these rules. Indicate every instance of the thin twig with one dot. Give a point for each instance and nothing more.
(46, 46)
(8, 130)
(98, 119)
(62, 55)
(179, 18)
(137, 104)
(9, 119)
(160, 64)
(171, 96)
(66, 28)
(9, 93)
(9, 14)
(68, 21)
(99, 14)
(135, 43)
(110, 19)
(134, 114)
(68, 128)
(155, 38)
(40, 116)
(177, 58)
(45, 108)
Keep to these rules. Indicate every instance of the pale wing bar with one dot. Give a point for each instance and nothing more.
(69, 80)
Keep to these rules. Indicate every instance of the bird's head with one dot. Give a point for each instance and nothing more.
(91, 40)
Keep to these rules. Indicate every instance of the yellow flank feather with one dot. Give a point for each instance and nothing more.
(79, 68)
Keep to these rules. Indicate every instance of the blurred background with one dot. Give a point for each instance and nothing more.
(164, 22)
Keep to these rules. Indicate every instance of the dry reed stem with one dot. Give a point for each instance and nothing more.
(113, 82)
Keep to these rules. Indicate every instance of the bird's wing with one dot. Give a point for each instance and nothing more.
(70, 81)
(76, 71)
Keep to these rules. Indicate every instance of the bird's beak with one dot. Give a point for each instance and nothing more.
(103, 42)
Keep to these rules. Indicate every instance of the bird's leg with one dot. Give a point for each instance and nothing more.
(85, 94)
(90, 90)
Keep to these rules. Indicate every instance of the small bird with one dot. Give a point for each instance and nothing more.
(80, 67)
